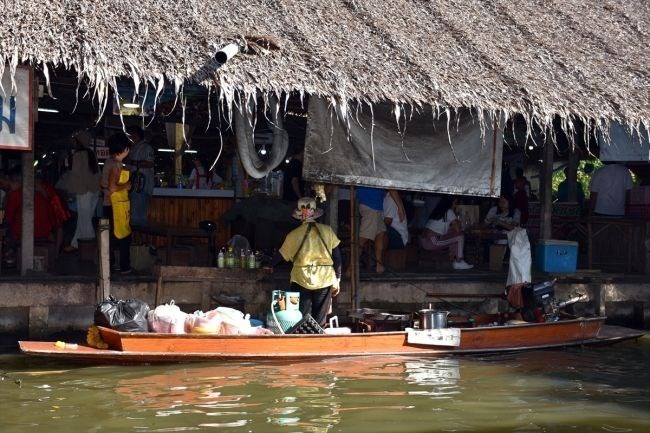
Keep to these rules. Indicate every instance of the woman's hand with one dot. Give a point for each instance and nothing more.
(336, 288)
(455, 226)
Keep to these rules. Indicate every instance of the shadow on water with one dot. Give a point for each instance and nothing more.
(581, 390)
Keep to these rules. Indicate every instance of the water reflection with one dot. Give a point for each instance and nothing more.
(603, 389)
(307, 399)
(441, 374)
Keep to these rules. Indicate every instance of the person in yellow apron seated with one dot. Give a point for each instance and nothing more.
(117, 207)
(313, 250)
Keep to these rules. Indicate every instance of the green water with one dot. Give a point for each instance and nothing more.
(603, 389)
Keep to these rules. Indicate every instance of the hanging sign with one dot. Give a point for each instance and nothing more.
(16, 104)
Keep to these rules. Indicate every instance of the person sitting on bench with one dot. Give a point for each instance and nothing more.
(443, 230)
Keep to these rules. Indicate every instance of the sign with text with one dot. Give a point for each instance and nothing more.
(102, 152)
(16, 113)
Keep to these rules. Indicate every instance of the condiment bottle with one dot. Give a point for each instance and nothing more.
(230, 258)
(221, 260)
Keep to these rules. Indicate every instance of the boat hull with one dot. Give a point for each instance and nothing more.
(128, 347)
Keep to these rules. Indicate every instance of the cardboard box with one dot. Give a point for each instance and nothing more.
(497, 254)
(558, 256)
(468, 215)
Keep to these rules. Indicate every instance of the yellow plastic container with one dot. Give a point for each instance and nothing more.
(205, 330)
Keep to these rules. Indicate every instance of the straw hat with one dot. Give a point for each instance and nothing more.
(306, 209)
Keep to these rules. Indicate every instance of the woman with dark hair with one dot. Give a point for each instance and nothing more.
(443, 230)
(116, 185)
(503, 216)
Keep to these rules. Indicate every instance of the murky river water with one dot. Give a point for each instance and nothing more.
(603, 389)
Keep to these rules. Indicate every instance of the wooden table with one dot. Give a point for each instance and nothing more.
(481, 236)
(171, 233)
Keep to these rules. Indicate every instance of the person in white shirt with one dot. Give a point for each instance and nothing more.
(443, 230)
(200, 178)
(397, 232)
(608, 190)
(504, 215)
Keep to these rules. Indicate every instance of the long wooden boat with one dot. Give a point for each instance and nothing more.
(143, 347)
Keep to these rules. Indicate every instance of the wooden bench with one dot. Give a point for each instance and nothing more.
(398, 260)
(174, 233)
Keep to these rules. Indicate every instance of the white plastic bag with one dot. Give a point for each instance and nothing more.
(203, 323)
(167, 319)
(234, 322)
(519, 267)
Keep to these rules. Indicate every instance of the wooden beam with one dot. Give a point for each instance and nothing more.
(354, 249)
(104, 253)
(27, 237)
(546, 228)
(572, 176)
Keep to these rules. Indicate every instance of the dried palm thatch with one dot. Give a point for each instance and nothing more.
(578, 59)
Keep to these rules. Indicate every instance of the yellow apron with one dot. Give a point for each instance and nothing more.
(121, 208)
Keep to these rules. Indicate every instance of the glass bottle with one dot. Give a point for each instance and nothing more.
(221, 259)
(230, 258)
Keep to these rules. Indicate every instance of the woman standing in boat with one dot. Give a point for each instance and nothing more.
(313, 250)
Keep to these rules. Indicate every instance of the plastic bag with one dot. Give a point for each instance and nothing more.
(234, 322)
(520, 258)
(122, 315)
(167, 319)
(203, 323)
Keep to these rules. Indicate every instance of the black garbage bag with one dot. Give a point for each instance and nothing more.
(121, 315)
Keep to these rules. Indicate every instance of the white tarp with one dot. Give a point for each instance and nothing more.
(421, 153)
(624, 145)
(16, 110)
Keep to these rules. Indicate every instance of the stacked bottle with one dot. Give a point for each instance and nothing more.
(230, 258)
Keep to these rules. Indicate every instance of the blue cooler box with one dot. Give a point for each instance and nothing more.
(556, 256)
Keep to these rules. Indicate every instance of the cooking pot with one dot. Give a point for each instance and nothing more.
(433, 319)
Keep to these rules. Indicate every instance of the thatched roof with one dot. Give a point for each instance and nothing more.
(573, 58)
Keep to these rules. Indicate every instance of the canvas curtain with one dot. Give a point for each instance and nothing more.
(419, 153)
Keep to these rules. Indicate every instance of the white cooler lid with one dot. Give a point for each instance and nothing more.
(557, 242)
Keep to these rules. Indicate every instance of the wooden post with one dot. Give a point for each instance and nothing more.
(333, 208)
(104, 252)
(27, 237)
(546, 228)
(572, 177)
(354, 250)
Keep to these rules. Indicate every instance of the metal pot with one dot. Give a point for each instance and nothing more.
(432, 319)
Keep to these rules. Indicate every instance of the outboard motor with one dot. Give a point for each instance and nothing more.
(539, 302)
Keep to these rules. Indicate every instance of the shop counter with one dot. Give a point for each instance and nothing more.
(175, 207)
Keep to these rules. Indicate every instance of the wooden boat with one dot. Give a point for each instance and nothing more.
(142, 347)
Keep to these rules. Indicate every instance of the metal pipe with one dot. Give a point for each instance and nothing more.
(226, 53)
(571, 301)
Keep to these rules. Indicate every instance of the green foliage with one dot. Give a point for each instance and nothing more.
(583, 178)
